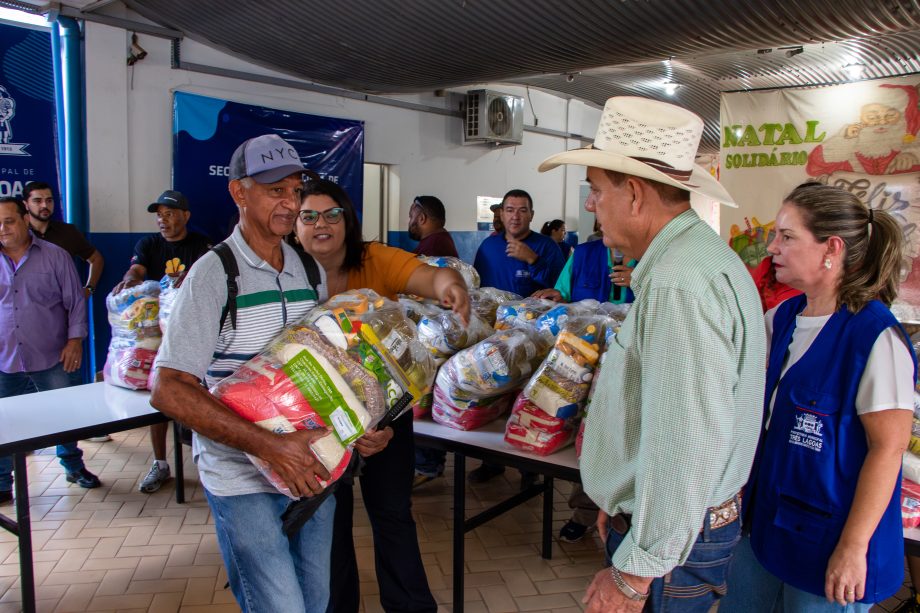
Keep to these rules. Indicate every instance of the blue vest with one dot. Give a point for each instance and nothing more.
(591, 274)
(804, 479)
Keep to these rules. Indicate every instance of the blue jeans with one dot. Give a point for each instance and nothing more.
(19, 383)
(430, 462)
(267, 570)
(700, 582)
(754, 588)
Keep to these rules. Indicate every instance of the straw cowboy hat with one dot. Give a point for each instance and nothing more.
(649, 139)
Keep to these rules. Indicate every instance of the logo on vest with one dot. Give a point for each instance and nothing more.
(808, 432)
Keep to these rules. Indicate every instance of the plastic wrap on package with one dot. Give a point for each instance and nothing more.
(499, 364)
(169, 289)
(416, 310)
(443, 333)
(910, 503)
(469, 274)
(422, 408)
(299, 383)
(521, 313)
(379, 335)
(471, 415)
(134, 318)
(486, 300)
(532, 430)
(910, 467)
(553, 321)
(560, 385)
(914, 445)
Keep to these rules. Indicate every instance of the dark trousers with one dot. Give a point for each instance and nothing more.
(386, 485)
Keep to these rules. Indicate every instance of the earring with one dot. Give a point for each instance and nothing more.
(827, 263)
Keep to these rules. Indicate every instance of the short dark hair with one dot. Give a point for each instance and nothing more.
(518, 193)
(669, 194)
(20, 204)
(551, 226)
(34, 186)
(432, 207)
(355, 246)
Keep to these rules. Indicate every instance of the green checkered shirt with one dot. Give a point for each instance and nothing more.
(675, 418)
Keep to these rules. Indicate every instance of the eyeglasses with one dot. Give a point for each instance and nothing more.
(310, 217)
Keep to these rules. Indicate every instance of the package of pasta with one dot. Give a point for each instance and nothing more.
(377, 333)
(486, 300)
(134, 318)
(443, 333)
(521, 313)
(499, 364)
(469, 274)
(469, 415)
(300, 382)
(560, 385)
(531, 429)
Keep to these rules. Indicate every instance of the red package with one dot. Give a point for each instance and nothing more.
(533, 417)
(579, 439)
(129, 367)
(468, 417)
(534, 441)
(423, 407)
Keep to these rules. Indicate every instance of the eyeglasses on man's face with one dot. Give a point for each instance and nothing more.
(310, 217)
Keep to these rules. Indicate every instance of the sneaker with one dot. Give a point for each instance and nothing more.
(83, 478)
(6, 497)
(484, 473)
(421, 479)
(156, 477)
(573, 532)
(99, 439)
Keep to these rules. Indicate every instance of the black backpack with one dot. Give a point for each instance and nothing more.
(225, 253)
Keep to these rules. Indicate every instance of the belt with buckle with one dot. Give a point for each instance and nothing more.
(725, 513)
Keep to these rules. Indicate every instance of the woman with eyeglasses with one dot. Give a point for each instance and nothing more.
(328, 229)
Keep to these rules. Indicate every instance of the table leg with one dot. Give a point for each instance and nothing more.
(177, 460)
(547, 518)
(24, 521)
(459, 528)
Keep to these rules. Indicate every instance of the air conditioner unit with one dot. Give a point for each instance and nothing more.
(493, 117)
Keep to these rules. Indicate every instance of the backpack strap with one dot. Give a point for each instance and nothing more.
(311, 268)
(232, 271)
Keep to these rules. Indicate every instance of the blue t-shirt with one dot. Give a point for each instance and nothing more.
(497, 269)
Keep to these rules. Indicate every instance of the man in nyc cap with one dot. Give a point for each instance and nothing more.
(267, 570)
(167, 252)
(675, 418)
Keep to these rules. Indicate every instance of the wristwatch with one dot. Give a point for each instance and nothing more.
(90, 289)
(626, 588)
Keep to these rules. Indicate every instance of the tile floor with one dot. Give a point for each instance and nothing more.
(114, 549)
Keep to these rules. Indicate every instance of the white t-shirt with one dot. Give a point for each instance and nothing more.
(887, 381)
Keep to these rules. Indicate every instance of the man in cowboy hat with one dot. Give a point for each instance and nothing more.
(674, 421)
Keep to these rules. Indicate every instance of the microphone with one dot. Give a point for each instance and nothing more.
(617, 261)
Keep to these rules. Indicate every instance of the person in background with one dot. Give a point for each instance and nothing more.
(328, 229)
(556, 230)
(670, 436)
(596, 235)
(585, 276)
(497, 226)
(823, 501)
(43, 318)
(771, 291)
(169, 252)
(426, 225)
(267, 569)
(519, 260)
(39, 199)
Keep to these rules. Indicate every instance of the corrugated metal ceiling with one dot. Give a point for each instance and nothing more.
(610, 47)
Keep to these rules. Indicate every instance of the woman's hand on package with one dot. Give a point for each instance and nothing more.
(845, 578)
(457, 298)
(291, 458)
(621, 275)
(373, 441)
(548, 294)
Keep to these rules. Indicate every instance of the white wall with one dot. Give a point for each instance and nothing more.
(130, 136)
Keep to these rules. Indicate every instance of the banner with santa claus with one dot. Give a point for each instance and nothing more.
(858, 136)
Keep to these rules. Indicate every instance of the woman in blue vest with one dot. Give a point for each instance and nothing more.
(823, 502)
(595, 272)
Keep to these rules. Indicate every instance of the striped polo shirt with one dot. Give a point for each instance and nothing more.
(267, 301)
